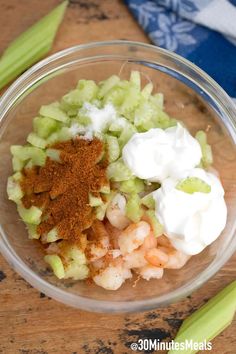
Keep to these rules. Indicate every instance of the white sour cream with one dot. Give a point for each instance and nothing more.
(191, 221)
(158, 154)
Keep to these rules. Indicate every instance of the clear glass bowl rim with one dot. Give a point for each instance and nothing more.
(222, 101)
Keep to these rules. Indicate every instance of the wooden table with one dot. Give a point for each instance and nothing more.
(31, 323)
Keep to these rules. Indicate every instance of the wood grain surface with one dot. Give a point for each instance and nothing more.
(30, 322)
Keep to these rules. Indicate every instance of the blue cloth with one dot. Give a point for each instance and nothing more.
(203, 31)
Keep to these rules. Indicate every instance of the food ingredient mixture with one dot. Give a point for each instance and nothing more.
(111, 186)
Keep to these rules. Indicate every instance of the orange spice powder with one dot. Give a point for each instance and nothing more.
(62, 188)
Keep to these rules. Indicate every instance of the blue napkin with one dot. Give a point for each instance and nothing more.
(203, 31)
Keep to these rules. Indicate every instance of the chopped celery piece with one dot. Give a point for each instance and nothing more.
(87, 90)
(94, 201)
(14, 190)
(105, 189)
(17, 176)
(52, 235)
(32, 231)
(54, 112)
(126, 134)
(148, 201)
(73, 253)
(117, 171)
(208, 321)
(192, 185)
(31, 215)
(29, 164)
(115, 96)
(56, 264)
(147, 90)
(133, 208)
(207, 158)
(30, 46)
(35, 140)
(101, 211)
(24, 153)
(144, 112)
(135, 185)
(76, 272)
(44, 126)
(62, 135)
(113, 148)
(17, 164)
(107, 85)
(158, 100)
(135, 79)
(53, 154)
(157, 228)
(130, 102)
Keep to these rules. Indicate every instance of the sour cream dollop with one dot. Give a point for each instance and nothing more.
(191, 221)
(158, 154)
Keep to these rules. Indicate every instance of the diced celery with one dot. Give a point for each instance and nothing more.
(126, 134)
(29, 164)
(135, 79)
(17, 164)
(87, 90)
(158, 100)
(76, 272)
(208, 321)
(115, 96)
(134, 185)
(62, 135)
(53, 154)
(14, 190)
(35, 140)
(53, 235)
(144, 112)
(44, 126)
(107, 85)
(131, 101)
(30, 46)
(133, 208)
(117, 171)
(192, 185)
(94, 201)
(105, 189)
(207, 157)
(32, 231)
(17, 176)
(148, 201)
(31, 215)
(147, 90)
(157, 228)
(24, 153)
(53, 111)
(56, 264)
(101, 211)
(113, 148)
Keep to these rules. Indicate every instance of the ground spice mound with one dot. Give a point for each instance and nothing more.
(62, 188)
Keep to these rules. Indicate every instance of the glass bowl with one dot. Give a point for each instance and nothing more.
(190, 95)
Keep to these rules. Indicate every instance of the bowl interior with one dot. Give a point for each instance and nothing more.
(181, 102)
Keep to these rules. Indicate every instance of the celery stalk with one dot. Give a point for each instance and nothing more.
(30, 46)
(210, 320)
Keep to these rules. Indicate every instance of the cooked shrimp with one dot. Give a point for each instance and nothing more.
(99, 244)
(113, 234)
(133, 236)
(156, 257)
(149, 242)
(112, 277)
(135, 259)
(176, 259)
(164, 241)
(148, 272)
(116, 212)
